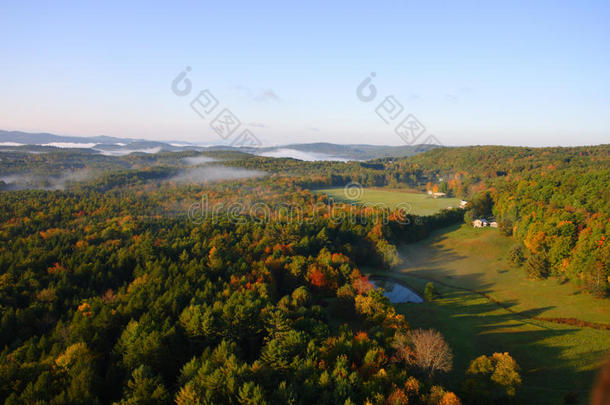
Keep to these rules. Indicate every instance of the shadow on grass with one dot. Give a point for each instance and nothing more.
(474, 327)
(555, 359)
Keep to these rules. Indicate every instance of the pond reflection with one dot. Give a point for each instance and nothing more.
(397, 293)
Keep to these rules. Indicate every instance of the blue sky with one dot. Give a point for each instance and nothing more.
(515, 73)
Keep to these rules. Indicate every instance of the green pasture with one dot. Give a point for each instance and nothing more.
(420, 203)
(486, 305)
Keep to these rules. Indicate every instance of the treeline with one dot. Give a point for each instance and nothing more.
(555, 202)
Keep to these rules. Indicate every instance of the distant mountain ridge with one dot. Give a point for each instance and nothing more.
(114, 145)
(28, 138)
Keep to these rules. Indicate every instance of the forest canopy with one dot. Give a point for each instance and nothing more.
(111, 292)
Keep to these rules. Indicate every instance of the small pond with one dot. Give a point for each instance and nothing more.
(397, 293)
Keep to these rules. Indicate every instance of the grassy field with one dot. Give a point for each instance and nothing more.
(421, 204)
(464, 262)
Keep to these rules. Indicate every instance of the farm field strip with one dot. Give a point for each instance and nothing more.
(420, 203)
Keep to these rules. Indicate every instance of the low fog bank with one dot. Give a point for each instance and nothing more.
(198, 160)
(30, 181)
(300, 155)
(215, 173)
(125, 152)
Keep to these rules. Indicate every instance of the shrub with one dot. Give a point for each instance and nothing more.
(469, 217)
(495, 377)
(537, 266)
(505, 227)
(597, 281)
(429, 291)
(516, 255)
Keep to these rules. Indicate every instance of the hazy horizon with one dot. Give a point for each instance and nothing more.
(219, 142)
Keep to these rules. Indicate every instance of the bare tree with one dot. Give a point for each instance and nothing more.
(430, 351)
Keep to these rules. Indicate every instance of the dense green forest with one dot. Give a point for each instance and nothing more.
(134, 285)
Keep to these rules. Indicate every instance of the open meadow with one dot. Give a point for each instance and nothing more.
(485, 306)
(420, 203)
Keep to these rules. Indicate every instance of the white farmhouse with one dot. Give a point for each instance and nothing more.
(480, 223)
